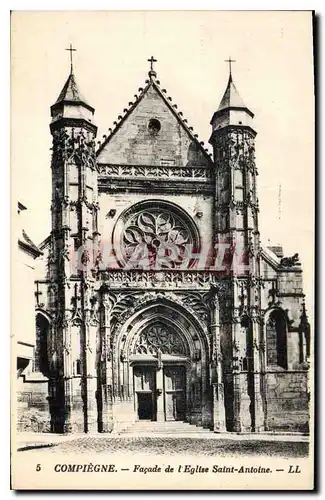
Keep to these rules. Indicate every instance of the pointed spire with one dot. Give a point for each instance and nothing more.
(231, 97)
(70, 103)
(231, 110)
(70, 91)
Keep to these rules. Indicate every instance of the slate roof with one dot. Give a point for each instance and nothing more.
(26, 243)
(71, 92)
(231, 98)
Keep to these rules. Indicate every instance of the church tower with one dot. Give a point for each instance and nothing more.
(74, 241)
(236, 233)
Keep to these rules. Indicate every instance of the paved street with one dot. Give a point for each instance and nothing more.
(170, 446)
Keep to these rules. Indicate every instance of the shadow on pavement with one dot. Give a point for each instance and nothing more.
(36, 446)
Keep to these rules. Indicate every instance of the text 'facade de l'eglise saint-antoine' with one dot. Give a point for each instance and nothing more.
(157, 301)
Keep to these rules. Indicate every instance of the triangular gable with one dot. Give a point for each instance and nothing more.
(152, 132)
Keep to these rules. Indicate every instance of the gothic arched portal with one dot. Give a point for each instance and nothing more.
(160, 365)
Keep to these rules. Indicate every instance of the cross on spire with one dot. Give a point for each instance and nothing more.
(152, 60)
(230, 61)
(71, 49)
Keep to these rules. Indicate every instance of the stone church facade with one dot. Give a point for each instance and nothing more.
(156, 300)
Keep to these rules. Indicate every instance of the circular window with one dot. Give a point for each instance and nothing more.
(161, 233)
(154, 126)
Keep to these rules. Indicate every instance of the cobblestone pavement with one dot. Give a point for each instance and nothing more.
(172, 446)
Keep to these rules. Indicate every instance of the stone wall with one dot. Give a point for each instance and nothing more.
(136, 143)
(32, 406)
(287, 401)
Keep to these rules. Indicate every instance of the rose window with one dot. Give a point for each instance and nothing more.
(160, 235)
(159, 338)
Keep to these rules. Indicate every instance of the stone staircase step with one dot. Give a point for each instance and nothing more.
(152, 428)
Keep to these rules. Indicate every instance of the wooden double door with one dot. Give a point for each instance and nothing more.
(171, 387)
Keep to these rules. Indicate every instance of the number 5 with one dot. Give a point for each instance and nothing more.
(38, 467)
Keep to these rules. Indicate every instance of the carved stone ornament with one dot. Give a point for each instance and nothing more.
(154, 172)
(236, 150)
(75, 146)
(156, 231)
(76, 316)
(127, 304)
(144, 278)
(290, 261)
(158, 337)
(196, 302)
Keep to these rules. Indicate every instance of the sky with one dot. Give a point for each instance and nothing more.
(273, 73)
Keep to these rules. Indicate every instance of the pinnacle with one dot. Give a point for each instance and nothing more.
(70, 91)
(231, 97)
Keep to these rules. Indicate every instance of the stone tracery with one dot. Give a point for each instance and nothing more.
(157, 338)
(159, 231)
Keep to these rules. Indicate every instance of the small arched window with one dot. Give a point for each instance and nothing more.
(276, 340)
(41, 360)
